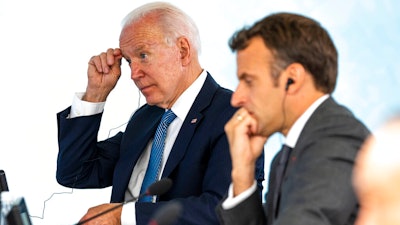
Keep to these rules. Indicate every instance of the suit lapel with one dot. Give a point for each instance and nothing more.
(271, 195)
(193, 119)
(306, 134)
(137, 136)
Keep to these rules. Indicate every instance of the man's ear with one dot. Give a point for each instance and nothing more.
(295, 76)
(184, 50)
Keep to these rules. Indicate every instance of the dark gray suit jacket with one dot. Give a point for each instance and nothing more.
(316, 187)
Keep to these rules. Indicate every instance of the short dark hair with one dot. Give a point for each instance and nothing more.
(294, 38)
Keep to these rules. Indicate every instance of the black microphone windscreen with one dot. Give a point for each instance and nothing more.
(167, 214)
(159, 187)
(3, 181)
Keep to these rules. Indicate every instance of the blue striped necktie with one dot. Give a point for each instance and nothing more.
(157, 149)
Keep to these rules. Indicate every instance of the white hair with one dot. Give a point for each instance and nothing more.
(174, 22)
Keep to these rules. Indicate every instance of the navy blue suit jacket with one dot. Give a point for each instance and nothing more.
(199, 163)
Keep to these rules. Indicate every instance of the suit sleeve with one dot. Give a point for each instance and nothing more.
(82, 162)
(248, 212)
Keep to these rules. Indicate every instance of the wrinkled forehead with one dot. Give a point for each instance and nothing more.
(139, 35)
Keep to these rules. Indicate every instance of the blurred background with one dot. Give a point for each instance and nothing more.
(46, 45)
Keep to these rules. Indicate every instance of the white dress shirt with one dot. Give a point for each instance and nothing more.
(290, 140)
(181, 108)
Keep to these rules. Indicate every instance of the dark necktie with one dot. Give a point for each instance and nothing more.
(280, 171)
(157, 149)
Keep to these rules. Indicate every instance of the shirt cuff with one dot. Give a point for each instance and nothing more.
(84, 108)
(128, 214)
(231, 202)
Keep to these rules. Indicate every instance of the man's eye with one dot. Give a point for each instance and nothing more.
(143, 55)
(248, 81)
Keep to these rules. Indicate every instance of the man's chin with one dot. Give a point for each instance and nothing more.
(266, 133)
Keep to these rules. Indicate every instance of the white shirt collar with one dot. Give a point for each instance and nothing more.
(295, 130)
(183, 104)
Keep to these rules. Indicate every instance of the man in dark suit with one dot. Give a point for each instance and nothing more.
(161, 44)
(287, 70)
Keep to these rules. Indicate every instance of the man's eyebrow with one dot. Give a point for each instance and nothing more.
(144, 46)
(134, 51)
(140, 48)
(243, 76)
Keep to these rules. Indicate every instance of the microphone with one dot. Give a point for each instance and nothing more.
(157, 188)
(167, 214)
(3, 181)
